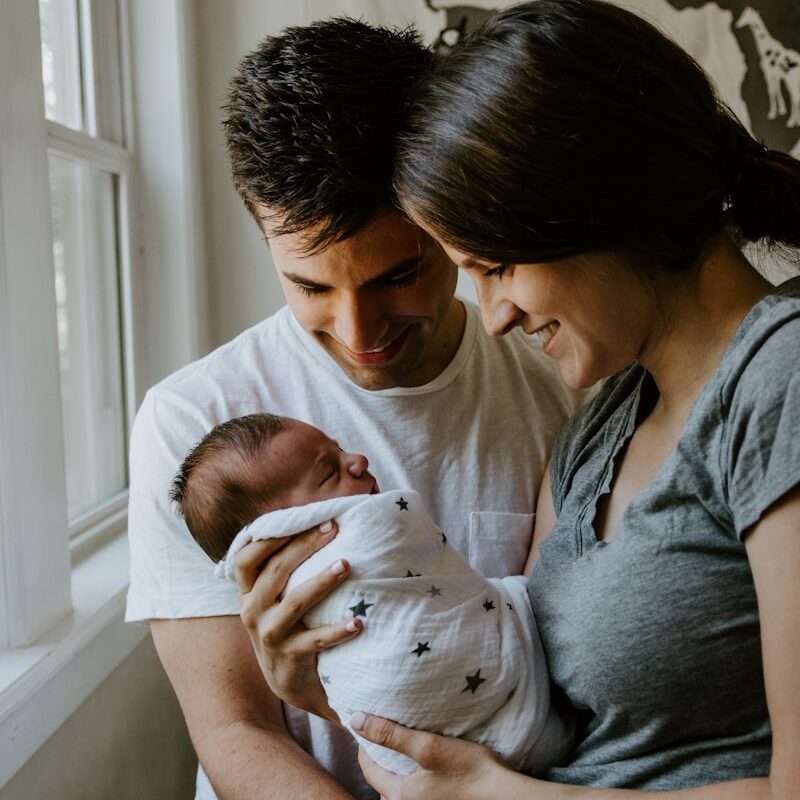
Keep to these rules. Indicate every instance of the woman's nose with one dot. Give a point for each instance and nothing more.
(500, 317)
(498, 313)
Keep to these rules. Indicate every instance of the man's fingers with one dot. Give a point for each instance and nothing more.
(250, 561)
(417, 745)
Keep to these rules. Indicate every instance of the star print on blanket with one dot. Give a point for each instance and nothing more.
(442, 648)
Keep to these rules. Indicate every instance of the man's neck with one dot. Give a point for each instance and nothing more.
(443, 346)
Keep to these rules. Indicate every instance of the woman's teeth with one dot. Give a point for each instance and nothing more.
(546, 333)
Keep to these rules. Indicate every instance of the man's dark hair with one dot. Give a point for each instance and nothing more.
(311, 120)
(220, 487)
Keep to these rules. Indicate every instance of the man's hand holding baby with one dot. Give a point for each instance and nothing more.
(285, 648)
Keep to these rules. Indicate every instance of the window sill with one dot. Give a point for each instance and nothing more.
(42, 685)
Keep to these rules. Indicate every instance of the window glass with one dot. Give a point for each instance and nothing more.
(61, 62)
(85, 252)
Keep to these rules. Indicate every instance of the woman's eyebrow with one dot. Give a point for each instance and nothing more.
(472, 263)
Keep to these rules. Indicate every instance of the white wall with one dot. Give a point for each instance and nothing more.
(242, 287)
(126, 742)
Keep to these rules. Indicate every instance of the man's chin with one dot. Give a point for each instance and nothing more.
(374, 379)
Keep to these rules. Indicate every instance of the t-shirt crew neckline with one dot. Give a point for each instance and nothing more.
(444, 379)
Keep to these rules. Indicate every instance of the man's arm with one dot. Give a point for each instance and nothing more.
(235, 721)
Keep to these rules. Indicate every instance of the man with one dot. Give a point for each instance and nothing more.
(372, 347)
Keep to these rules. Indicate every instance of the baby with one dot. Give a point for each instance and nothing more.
(442, 648)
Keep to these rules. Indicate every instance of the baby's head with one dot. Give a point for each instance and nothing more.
(250, 465)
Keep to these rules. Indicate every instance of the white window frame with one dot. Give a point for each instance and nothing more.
(61, 598)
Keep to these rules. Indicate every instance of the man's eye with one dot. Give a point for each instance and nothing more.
(403, 280)
(310, 291)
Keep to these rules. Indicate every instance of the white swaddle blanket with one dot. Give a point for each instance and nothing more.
(443, 648)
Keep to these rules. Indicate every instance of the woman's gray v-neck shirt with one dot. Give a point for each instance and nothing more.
(655, 636)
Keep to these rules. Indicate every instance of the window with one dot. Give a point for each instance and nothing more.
(85, 243)
(88, 162)
(67, 382)
(61, 62)
(101, 294)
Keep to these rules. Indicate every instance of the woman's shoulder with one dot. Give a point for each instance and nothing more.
(759, 396)
(765, 351)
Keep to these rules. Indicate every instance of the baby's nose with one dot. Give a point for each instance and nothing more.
(357, 464)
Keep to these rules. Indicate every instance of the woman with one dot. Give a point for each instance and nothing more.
(579, 166)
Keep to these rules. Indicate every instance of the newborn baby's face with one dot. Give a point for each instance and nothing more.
(308, 466)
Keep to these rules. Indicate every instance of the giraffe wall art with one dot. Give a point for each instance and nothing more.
(780, 66)
(458, 20)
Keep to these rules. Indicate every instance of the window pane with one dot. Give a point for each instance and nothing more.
(61, 61)
(89, 332)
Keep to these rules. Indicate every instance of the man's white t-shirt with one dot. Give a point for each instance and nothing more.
(473, 442)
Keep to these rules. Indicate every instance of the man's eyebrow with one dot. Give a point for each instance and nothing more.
(395, 271)
(303, 281)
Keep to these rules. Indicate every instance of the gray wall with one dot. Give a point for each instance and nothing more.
(126, 742)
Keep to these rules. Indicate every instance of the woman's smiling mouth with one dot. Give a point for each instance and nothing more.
(546, 332)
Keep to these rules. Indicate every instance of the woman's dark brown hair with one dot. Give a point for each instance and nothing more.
(566, 126)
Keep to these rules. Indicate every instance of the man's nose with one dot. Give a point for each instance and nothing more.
(357, 464)
(359, 324)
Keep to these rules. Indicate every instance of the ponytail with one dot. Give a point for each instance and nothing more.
(764, 198)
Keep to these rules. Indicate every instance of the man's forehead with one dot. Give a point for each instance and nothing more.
(386, 223)
(382, 248)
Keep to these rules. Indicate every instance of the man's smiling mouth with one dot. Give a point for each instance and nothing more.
(380, 355)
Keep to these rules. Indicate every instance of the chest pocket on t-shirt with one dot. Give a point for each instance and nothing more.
(499, 542)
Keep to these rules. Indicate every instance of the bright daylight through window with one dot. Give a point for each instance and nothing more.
(85, 204)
